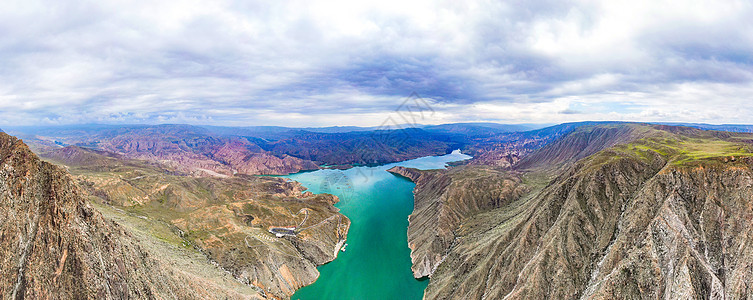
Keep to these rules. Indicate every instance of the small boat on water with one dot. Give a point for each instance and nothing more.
(343, 248)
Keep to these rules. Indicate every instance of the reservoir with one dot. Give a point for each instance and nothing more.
(376, 263)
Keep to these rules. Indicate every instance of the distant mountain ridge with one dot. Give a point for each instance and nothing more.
(274, 150)
(721, 127)
(261, 150)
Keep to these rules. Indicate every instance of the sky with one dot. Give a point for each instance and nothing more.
(326, 63)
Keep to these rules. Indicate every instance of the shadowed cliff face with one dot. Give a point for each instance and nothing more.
(662, 213)
(53, 244)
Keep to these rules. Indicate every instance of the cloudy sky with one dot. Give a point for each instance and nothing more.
(321, 63)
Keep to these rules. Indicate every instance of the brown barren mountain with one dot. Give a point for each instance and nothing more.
(182, 148)
(225, 219)
(54, 244)
(443, 199)
(634, 212)
(124, 228)
(605, 211)
(202, 155)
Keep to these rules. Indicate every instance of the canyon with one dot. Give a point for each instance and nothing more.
(158, 221)
(54, 243)
(594, 210)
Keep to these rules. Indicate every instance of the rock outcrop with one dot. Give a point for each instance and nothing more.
(686, 234)
(53, 244)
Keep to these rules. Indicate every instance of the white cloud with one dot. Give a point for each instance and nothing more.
(303, 63)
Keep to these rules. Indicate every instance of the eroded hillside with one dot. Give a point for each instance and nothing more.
(225, 219)
(54, 244)
(646, 212)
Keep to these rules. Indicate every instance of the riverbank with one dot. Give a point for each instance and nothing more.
(377, 262)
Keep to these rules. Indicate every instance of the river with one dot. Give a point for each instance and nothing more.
(376, 263)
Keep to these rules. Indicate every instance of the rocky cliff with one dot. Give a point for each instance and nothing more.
(687, 236)
(225, 219)
(53, 244)
(647, 212)
(442, 199)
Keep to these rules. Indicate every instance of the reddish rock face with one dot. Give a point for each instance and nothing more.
(241, 160)
(201, 152)
(204, 155)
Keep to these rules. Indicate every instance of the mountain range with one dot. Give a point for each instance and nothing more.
(626, 211)
(595, 210)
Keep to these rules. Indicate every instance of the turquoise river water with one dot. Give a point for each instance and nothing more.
(376, 263)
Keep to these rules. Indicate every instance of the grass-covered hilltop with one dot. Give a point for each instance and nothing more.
(686, 145)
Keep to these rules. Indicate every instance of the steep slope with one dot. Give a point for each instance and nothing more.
(508, 148)
(581, 142)
(664, 215)
(53, 244)
(442, 199)
(688, 236)
(226, 219)
(543, 245)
